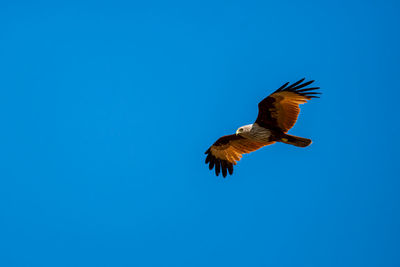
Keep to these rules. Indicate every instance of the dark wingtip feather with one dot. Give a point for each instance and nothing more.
(224, 168)
(302, 85)
(221, 166)
(230, 168)
(307, 89)
(282, 87)
(294, 84)
(208, 158)
(211, 166)
(217, 166)
(294, 87)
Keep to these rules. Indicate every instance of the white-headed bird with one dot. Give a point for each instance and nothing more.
(277, 114)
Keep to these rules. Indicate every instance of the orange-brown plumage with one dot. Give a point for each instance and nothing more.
(276, 116)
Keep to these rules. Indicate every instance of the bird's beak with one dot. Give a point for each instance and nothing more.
(237, 132)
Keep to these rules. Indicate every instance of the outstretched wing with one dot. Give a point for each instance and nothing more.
(281, 109)
(227, 150)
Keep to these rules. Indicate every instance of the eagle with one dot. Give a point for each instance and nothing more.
(277, 114)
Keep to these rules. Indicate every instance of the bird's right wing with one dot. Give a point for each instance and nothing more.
(227, 150)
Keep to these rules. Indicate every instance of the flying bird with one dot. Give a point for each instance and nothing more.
(277, 114)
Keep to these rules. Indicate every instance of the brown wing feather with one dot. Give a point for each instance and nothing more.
(227, 150)
(281, 109)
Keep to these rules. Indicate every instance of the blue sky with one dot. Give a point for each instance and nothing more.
(107, 108)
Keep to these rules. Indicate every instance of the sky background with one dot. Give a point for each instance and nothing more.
(107, 108)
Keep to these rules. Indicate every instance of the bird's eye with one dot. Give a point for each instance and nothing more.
(241, 130)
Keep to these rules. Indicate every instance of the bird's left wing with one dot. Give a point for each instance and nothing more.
(281, 109)
(227, 150)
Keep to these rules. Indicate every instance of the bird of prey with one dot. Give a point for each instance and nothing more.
(277, 113)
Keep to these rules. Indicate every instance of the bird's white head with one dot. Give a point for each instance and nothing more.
(244, 130)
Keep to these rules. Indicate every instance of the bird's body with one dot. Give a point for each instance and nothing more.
(255, 132)
(277, 114)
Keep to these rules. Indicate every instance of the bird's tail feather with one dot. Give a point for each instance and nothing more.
(295, 140)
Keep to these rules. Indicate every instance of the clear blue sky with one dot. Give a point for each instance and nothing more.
(107, 108)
